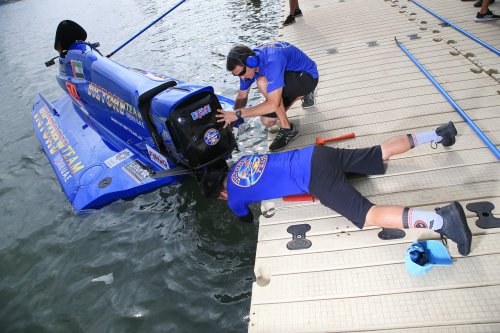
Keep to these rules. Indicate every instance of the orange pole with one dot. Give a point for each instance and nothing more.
(320, 141)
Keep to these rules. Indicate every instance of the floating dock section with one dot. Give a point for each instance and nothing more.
(350, 280)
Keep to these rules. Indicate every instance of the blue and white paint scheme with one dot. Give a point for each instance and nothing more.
(115, 127)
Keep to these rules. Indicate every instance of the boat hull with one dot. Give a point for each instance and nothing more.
(92, 171)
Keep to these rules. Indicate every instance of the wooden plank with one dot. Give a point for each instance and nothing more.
(406, 107)
(400, 127)
(355, 257)
(338, 283)
(408, 310)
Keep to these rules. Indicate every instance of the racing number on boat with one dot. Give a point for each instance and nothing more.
(72, 91)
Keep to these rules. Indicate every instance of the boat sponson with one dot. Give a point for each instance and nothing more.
(92, 171)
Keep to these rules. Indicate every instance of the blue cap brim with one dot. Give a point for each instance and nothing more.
(437, 253)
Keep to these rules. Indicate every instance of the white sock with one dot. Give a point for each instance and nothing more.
(420, 138)
(414, 218)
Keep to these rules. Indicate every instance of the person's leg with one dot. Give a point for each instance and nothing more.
(294, 4)
(298, 86)
(395, 146)
(444, 134)
(280, 113)
(449, 221)
(270, 121)
(297, 11)
(484, 7)
(291, 17)
(287, 132)
(329, 184)
(485, 14)
(392, 217)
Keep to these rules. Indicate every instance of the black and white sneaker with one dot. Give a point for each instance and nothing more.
(455, 226)
(289, 20)
(448, 133)
(489, 16)
(283, 138)
(309, 100)
(297, 12)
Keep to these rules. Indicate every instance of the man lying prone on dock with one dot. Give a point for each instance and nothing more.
(321, 171)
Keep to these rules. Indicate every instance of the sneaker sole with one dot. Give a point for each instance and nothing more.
(457, 209)
(308, 107)
(279, 149)
(487, 20)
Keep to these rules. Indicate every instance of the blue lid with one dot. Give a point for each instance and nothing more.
(421, 256)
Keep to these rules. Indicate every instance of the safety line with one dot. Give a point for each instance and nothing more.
(146, 28)
(469, 121)
(489, 47)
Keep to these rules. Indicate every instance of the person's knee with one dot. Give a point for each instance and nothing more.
(268, 121)
(385, 153)
(371, 217)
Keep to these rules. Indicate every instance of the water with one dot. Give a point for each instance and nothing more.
(179, 262)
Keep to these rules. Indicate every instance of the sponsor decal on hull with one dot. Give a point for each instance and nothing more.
(115, 103)
(158, 158)
(53, 139)
(137, 171)
(118, 158)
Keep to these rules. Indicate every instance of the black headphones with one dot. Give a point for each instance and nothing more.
(252, 60)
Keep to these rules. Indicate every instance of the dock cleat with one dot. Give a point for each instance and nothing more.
(455, 226)
(448, 133)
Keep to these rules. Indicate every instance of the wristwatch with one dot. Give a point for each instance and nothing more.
(238, 114)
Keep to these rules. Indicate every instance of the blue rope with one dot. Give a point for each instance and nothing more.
(469, 121)
(489, 47)
(146, 28)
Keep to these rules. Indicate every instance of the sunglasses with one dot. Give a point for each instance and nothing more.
(243, 72)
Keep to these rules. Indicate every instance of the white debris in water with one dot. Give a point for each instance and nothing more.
(108, 279)
(138, 315)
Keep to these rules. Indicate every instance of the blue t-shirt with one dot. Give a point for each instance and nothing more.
(262, 177)
(275, 59)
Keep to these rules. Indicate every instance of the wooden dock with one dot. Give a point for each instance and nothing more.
(351, 280)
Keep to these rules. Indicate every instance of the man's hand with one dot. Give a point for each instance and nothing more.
(226, 116)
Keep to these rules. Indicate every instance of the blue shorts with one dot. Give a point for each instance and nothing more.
(329, 183)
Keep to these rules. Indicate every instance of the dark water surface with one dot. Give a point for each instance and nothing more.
(180, 263)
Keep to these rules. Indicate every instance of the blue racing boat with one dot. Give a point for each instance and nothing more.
(118, 132)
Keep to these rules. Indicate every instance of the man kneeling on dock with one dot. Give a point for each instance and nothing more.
(321, 171)
(284, 74)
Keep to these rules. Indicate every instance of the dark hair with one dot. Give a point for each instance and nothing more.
(243, 51)
(212, 183)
